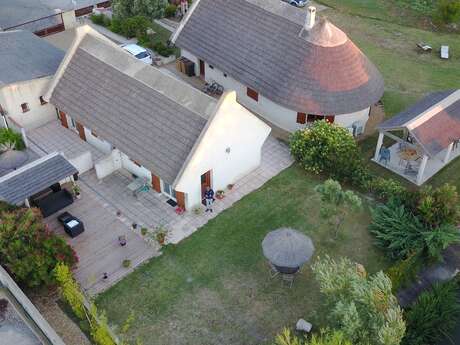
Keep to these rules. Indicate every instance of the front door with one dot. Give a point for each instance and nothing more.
(202, 69)
(205, 182)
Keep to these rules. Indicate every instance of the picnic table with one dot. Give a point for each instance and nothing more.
(139, 185)
(409, 154)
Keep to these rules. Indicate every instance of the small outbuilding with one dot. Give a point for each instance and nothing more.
(423, 139)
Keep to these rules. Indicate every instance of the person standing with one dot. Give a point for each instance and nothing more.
(209, 198)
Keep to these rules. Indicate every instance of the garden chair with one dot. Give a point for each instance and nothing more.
(288, 279)
(385, 155)
(273, 271)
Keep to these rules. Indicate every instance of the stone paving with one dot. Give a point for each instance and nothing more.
(150, 209)
(52, 137)
(97, 247)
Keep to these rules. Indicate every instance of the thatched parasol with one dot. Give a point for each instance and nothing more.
(287, 248)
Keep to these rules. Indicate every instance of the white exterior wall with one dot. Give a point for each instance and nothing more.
(273, 112)
(12, 96)
(101, 145)
(126, 162)
(69, 19)
(232, 127)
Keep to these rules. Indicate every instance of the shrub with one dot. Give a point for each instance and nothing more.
(162, 49)
(325, 337)
(326, 148)
(386, 188)
(97, 18)
(449, 11)
(116, 25)
(10, 138)
(436, 206)
(362, 307)
(29, 250)
(170, 10)
(404, 271)
(400, 233)
(71, 293)
(135, 26)
(434, 315)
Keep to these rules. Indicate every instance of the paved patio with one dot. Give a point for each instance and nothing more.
(151, 210)
(98, 248)
(433, 166)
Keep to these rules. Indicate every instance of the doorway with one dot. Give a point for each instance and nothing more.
(205, 182)
(202, 69)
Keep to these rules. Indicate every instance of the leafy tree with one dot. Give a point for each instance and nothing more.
(29, 250)
(325, 338)
(122, 8)
(400, 233)
(326, 148)
(336, 203)
(150, 8)
(433, 315)
(361, 306)
(449, 11)
(10, 139)
(135, 26)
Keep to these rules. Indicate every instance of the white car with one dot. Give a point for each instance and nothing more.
(297, 3)
(138, 52)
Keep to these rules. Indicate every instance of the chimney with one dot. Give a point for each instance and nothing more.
(311, 17)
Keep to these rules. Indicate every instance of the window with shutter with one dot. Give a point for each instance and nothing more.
(301, 118)
(252, 94)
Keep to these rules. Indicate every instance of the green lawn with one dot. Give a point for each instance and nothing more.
(408, 74)
(417, 13)
(214, 287)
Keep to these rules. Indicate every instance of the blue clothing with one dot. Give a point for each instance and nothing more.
(209, 194)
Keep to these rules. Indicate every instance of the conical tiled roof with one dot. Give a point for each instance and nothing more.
(263, 45)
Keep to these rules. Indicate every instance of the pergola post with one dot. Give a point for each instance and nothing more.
(448, 152)
(421, 170)
(379, 146)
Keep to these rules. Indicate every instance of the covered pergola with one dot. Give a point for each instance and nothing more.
(420, 141)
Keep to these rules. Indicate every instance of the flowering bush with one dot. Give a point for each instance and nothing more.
(29, 250)
(326, 148)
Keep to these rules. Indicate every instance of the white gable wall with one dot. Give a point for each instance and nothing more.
(233, 127)
(12, 96)
(273, 112)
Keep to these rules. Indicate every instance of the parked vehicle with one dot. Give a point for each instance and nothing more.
(297, 3)
(138, 52)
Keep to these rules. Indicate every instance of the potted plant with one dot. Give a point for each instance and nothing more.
(161, 236)
(122, 240)
(144, 231)
(230, 186)
(126, 263)
(198, 210)
(179, 210)
(220, 194)
(76, 190)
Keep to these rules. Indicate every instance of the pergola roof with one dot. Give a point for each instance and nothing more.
(434, 121)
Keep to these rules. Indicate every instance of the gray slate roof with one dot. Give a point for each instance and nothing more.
(414, 110)
(262, 45)
(33, 178)
(17, 12)
(24, 56)
(438, 131)
(150, 116)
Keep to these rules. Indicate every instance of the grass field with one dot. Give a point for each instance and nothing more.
(214, 288)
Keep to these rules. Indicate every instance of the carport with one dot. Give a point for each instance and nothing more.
(40, 181)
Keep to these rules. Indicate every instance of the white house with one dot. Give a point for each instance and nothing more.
(27, 65)
(284, 63)
(152, 124)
